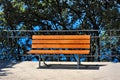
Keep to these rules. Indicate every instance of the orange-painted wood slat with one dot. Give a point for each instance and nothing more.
(59, 52)
(60, 46)
(61, 37)
(61, 41)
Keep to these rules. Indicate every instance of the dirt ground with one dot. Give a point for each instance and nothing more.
(29, 70)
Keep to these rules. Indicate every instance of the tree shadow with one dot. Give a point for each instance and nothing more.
(72, 66)
(3, 65)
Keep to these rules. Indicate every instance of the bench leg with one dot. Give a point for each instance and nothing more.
(44, 61)
(78, 62)
(39, 61)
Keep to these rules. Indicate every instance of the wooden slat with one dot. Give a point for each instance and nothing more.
(61, 41)
(60, 46)
(59, 52)
(61, 37)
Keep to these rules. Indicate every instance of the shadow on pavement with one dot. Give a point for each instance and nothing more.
(5, 64)
(70, 66)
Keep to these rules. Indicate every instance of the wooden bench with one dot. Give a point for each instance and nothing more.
(75, 44)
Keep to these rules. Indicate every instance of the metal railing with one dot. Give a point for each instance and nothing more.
(108, 39)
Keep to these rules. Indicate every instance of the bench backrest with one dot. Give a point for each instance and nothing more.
(61, 41)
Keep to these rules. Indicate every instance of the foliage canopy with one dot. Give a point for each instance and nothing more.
(60, 14)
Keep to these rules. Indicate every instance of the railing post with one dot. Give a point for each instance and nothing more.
(110, 45)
